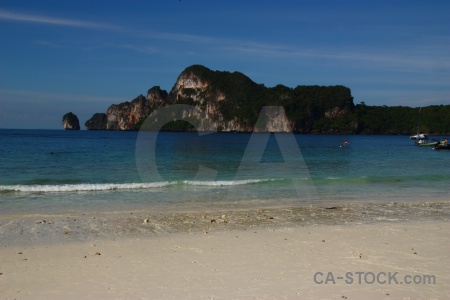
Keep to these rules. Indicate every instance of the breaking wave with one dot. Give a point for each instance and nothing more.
(62, 188)
(81, 187)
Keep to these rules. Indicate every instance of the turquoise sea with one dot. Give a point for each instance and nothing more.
(56, 171)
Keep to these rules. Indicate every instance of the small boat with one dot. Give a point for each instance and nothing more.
(419, 136)
(442, 145)
(423, 143)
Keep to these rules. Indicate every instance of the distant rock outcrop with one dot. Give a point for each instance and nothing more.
(70, 122)
(97, 122)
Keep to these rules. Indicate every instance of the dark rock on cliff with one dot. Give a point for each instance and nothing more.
(130, 115)
(97, 122)
(157, 97)
(70, 122)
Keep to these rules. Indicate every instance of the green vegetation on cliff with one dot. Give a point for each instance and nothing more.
(319, 109)
(234, 101)
(402, 120)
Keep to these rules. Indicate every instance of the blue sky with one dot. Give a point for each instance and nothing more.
(82, 56)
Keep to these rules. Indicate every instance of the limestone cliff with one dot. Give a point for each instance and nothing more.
(213, 93)
(226, 101)
(70, 122)
(129, 115)
(126, 116)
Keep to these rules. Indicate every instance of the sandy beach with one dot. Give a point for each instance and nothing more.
(269, 256)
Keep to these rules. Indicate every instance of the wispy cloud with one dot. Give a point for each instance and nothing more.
(33, 18)
(406, 61)
(430, 57)
(415, 58)
(179, 37)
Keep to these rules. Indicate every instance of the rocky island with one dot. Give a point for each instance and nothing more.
(232, 100)
(232, 103)
(70, 121)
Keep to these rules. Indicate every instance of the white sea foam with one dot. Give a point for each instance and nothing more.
(225, 182)
(125, 186)
(82, 187)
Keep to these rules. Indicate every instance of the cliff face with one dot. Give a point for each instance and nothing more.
(232, 102)
(70, 122)
(128, 115)
(191, 89)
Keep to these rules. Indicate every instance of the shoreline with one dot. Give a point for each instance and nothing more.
(257, 263)
(33, 229)
(270, 253)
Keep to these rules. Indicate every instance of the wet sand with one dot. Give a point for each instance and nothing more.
(279, 253)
